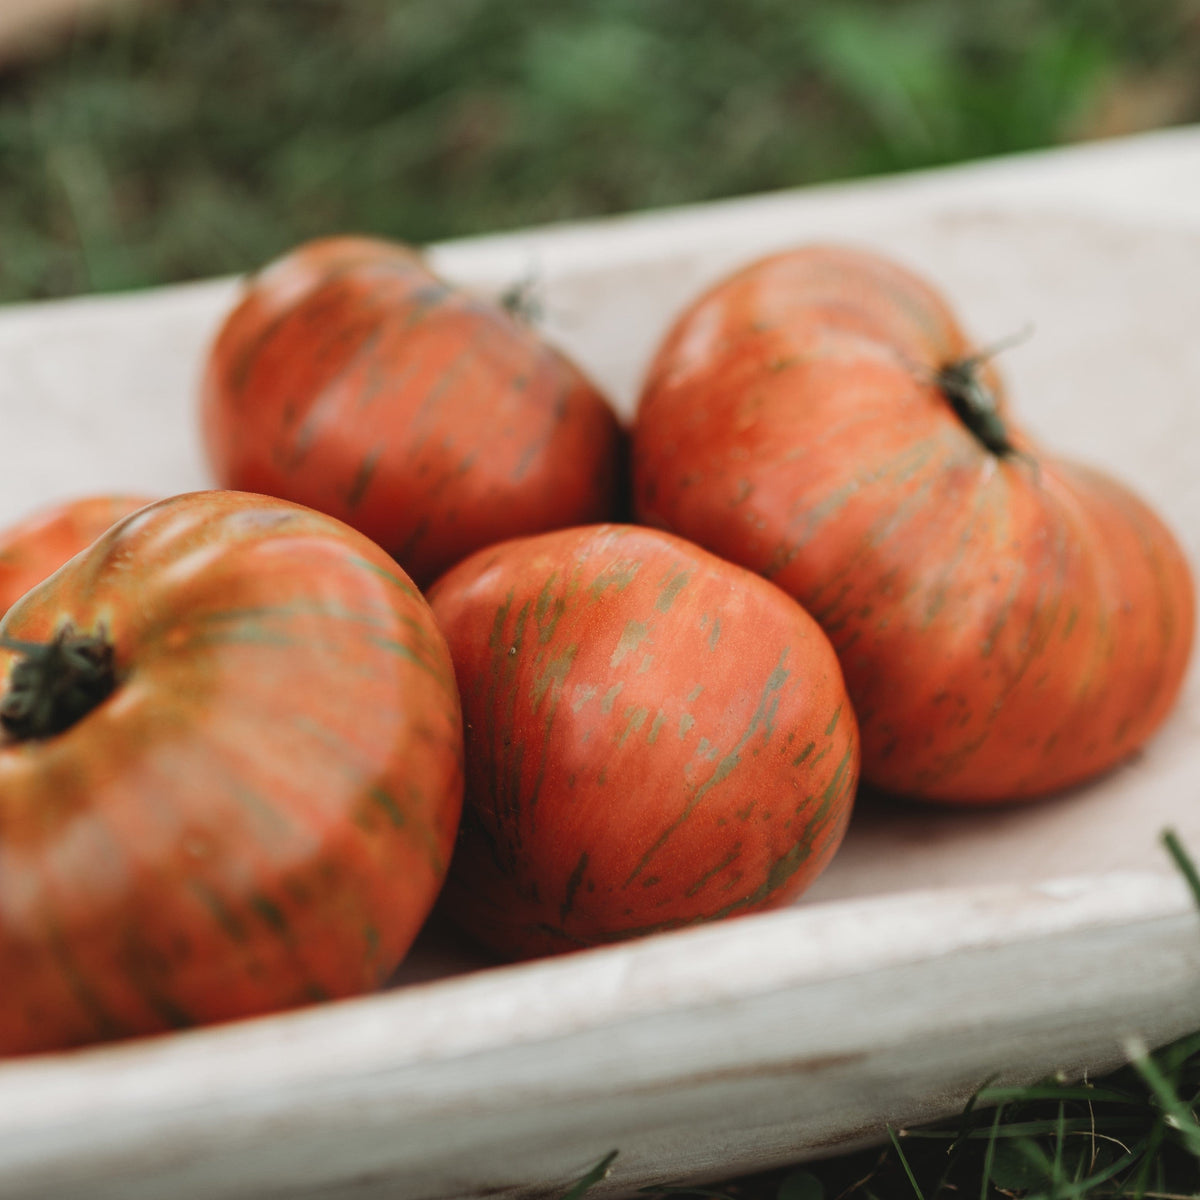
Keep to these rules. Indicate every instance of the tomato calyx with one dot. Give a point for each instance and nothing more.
(56, 683)
(974, 404)
(522, 300)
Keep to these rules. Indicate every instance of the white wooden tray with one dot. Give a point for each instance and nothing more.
(939, 950)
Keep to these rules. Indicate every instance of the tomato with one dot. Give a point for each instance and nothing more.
(654, 737)
(230, 777)
(1009, 622)
(38, 545)
(352, 379)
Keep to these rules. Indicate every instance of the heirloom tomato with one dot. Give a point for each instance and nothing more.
(1009, 622)
(38, 545)
(351, 378)
(654, 737)
(230, 773)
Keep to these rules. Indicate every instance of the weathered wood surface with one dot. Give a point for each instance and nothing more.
(741, 1045)
(939, 949)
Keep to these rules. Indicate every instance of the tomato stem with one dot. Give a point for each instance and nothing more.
(56, 683)
(522, 300)
(973, 400)
(975, 405)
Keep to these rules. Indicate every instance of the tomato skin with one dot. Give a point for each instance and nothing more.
(261, 813)
(1009, 624)
(38, 545)
(654, 737)
(352, 379)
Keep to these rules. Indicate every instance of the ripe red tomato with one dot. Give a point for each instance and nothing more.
(352, 379)
(1009, 623)
(654, 737)
(37, 546)
(230, 778)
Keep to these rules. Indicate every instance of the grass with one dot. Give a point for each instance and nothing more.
(195, 137)
(1133, 1135)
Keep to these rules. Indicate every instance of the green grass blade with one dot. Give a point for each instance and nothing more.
(989, 1155)
(1032, 1128)
(1183, 861)
(956, 1147)
(1176, 1113)
(1037, 1156)
(912, 1179)
(1177, 1054)
(1141, 1180)
(586, 1182)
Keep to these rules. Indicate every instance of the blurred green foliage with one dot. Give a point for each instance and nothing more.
(185, 139)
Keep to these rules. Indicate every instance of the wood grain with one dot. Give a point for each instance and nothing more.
(741, 1045)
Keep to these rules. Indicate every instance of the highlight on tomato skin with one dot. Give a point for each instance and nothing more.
(256, 812)
(37, 545)
(654, 737)
(1010, 623)
(352, 379)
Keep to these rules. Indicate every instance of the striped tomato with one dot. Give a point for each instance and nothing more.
(230, 777)
(1009, 623)
(37, 546)
(654, 737)
(352, 379)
